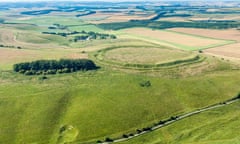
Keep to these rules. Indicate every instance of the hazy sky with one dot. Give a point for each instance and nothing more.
(83, 0)
(72, 0)
(66, 0)
(109, 0)
(99, 0)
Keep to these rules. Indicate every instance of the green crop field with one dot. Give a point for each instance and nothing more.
(146, 73)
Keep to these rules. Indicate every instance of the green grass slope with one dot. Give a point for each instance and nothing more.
(84, 107)
(218, 126)
(100, 104)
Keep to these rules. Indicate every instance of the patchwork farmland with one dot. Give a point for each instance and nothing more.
(119, 72)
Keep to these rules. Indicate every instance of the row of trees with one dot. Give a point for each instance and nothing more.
(86, 35)
(10, 46)
(141, 131)
(94, 36)
(54, 66)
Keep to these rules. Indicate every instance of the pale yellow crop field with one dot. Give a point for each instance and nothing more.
(230, 34)
(184, 41)
(227, 51)
(231, 51)
(115, 17)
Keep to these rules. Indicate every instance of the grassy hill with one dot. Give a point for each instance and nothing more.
(211, 127)
(145, 76)
(102, 103)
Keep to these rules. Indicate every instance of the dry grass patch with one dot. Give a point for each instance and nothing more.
(9, 56)
(90, 46)
(144, 55)
(6, 37)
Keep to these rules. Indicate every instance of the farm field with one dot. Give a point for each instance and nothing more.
(152, 63)
(227, 51)
(231, 51)
(206, 17)
(10, 56)
(174, 19)
(178, 40)
(229, 34)
(116, 17)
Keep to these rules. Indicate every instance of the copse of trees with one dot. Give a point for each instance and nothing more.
(85, 35)
(53, 66)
